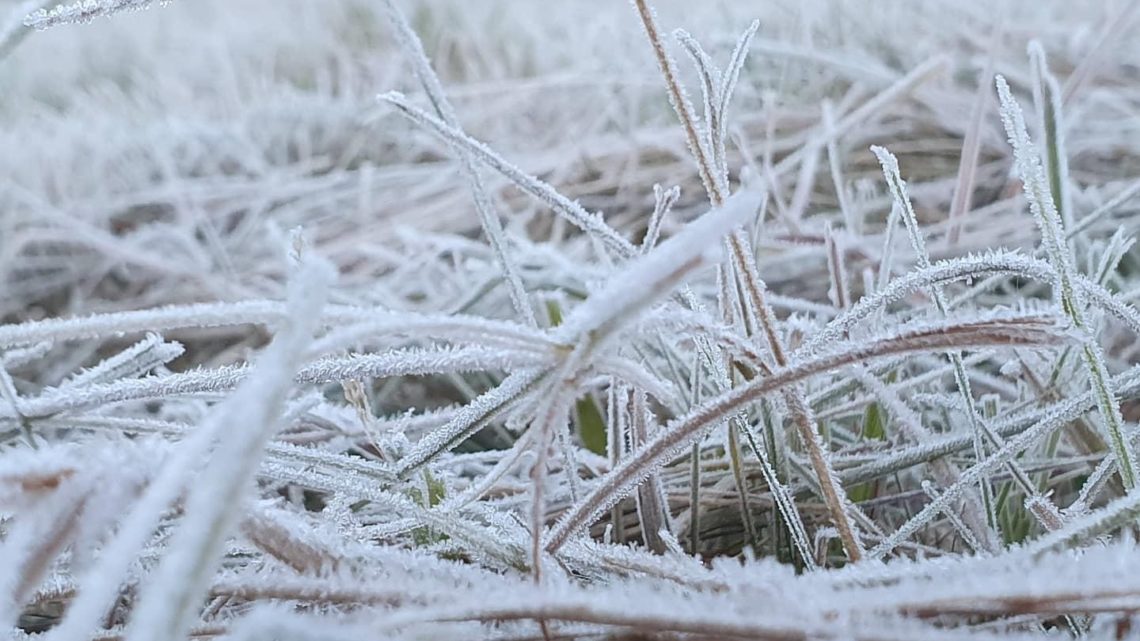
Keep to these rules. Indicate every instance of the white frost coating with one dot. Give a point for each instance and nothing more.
(1032, 173)
(169, 607)
(137, 359)
(649, 277)
(83, 11)
(156, 319)
(357, 323)
(470, 418)
(419, 362)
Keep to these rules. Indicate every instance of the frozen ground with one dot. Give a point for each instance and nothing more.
(324, 319)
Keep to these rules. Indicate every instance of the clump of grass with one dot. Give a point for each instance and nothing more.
(565, 394)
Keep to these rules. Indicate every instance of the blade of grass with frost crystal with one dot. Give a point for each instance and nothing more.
(421, 362)
(663, 201)
(20, 356)
(639, 284)
(488, 217)
(717, 88)
(452, 328)
(328, 370)
(616, 445)
(478, 539)
(591, 223)
(739, 478)
(999, 262)
(886, 263)
(552, 410)
(285, 537)
(134, 361)
(754, 300)
(162, 318)
(1119, 513)
(472, 417)
(709, 74)
(965, 533)
(729, 79)
(694, 471)
(679, 99)
(748, 278)
(170, 603)
(1095, 483)
(720, 364)
(1017, 330)
(357, 321)
(832, 492)
(1047, 97)
(1066, 291)
(785, 503)
(652, 503)
(1114, 251)
(843, 513)
(505, 464)
(1085, 436)
(16, 405)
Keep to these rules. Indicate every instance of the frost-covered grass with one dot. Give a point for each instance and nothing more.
(524, 320)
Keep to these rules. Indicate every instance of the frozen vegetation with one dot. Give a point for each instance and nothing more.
(519, 320)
